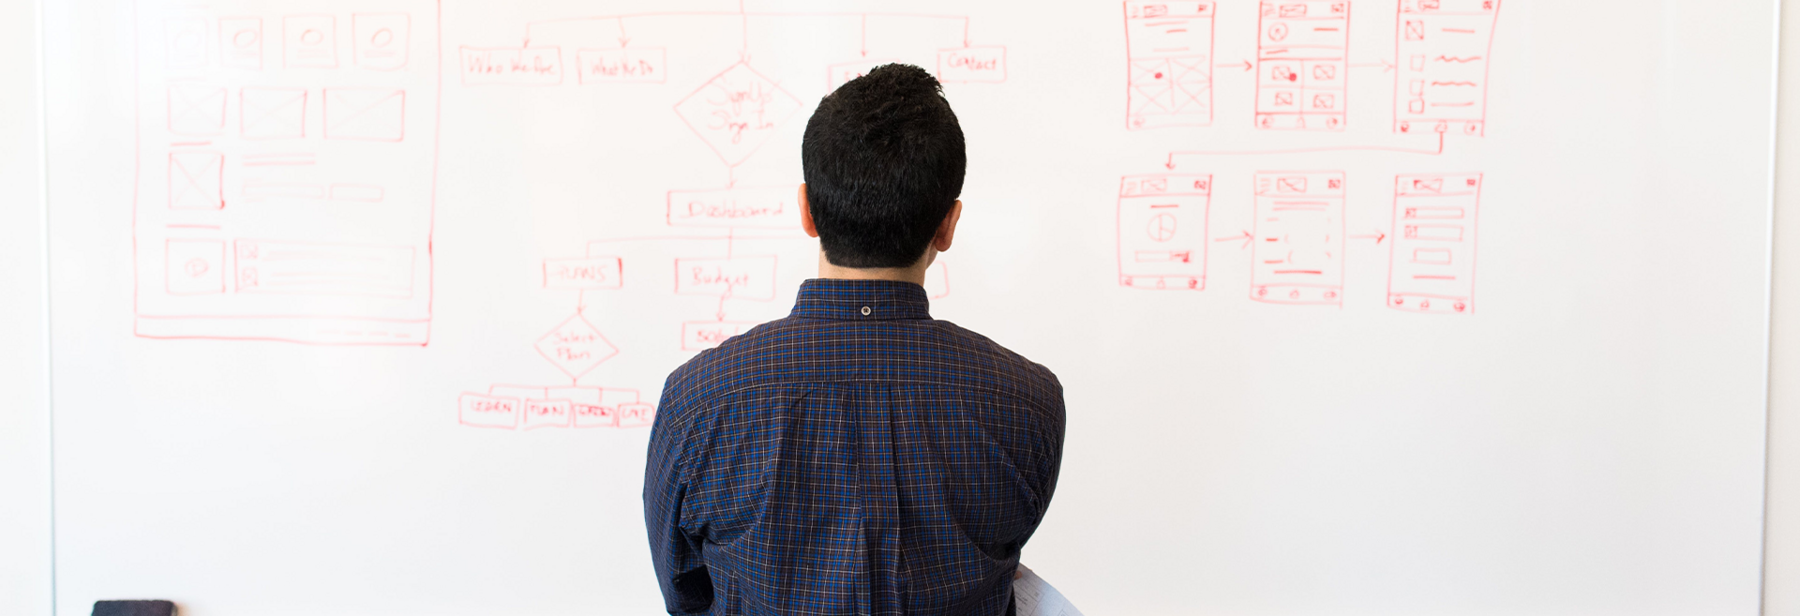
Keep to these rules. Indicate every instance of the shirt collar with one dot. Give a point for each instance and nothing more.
(866, 300)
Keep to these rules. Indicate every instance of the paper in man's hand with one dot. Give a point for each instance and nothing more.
(1036, 597)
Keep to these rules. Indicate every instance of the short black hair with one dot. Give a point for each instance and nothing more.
(884, 162)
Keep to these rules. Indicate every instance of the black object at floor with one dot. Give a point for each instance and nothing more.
(134, 608)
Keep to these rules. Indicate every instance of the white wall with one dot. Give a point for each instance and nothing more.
(1781, 593)
(24, 409)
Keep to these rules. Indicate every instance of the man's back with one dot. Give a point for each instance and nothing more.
(857, 457)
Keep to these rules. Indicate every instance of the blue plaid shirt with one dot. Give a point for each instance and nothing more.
(857, 457)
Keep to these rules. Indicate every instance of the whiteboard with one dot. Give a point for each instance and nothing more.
(25, 422)
(1397, 306)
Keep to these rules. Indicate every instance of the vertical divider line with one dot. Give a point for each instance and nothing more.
(1769, 298)
(40, 83)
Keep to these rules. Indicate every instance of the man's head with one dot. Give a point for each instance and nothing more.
(884, 164)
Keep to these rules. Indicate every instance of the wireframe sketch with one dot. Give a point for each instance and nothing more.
(1170, 53)
(1432, 268)
(1162, 231)
(286, 159)
(1443, 48)
(1302, 65)
(1299, 238)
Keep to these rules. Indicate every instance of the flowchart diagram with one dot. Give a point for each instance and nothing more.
(739, 243)
(1304, 68)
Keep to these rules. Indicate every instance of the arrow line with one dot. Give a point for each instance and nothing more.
(581, 301)
(1246, 64)
(1245, 237)
(1438, 151)
(1384, 65)
(624, 39)
(1377, 236)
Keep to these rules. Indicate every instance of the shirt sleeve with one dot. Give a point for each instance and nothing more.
(1050, 433)
(680, 568)
(1055, 435)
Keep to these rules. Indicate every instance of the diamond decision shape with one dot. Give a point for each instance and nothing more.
(737, 112)
(576, 347)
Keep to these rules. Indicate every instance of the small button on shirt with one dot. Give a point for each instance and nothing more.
(855, 458)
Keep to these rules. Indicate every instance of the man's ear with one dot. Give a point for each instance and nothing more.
(806, 221)
(946, 232)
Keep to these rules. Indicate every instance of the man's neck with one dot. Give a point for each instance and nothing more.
(914, 274)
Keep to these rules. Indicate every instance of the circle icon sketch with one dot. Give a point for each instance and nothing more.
(1162, 227)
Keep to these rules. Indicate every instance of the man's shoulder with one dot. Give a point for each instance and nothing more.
(1022, 372)
(798, 349)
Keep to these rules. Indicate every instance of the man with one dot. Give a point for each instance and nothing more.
(857, 457)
